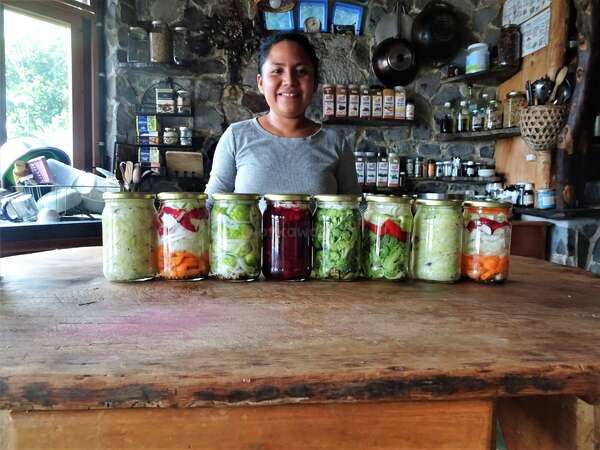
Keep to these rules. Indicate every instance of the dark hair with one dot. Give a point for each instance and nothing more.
(300, 39)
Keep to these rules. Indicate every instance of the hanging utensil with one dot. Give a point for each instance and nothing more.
(560, 77)
(528, 93)
(123, 170)
(563, 95)
(405, 23)
(136, 177)
(394, 62)
(541, 90)
(387, 27)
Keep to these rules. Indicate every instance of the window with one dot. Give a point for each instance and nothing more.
(47, 79)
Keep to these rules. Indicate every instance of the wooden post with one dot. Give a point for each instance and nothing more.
(576, 136)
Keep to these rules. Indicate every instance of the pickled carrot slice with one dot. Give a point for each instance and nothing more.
(181, 265)
(484, 268)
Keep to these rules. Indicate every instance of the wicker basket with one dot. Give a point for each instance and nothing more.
(541, 125)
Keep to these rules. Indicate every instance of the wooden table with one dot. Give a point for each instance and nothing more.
(85, 363)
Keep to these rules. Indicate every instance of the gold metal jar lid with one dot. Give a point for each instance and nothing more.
(388, 199)
(431, 202)
(288, 197)
(234, 196)
(487, 204)
(338, 198)
(182, 196)
(127, 195)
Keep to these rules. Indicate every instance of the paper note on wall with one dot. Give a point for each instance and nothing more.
(534, 33)
(518, 11)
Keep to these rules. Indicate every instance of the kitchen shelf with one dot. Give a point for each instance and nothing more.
(476, 180)
(151, 65)
(163, 114)
(369, 123)
(188, 147)
(493, 77)
(480, 135)
(558, 214)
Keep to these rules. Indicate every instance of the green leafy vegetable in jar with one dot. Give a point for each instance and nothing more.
(386, 237)
(235, 237)
(337, 238)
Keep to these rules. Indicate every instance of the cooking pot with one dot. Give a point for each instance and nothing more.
(394, 62)
(436, 31)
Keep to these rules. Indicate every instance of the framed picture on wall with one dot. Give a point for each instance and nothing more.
(279, 21)
(347, 14)
(312, 15)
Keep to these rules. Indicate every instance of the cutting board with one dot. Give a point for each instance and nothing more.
(185, 164)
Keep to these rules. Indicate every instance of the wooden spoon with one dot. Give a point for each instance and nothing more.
(560, 77)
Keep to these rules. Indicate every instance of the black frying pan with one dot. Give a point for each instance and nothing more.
(394, 62)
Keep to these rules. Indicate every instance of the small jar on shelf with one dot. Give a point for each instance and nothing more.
(160, 43)
(181, 52)
(138, 45)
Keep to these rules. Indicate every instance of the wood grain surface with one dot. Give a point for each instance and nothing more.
(69, 339)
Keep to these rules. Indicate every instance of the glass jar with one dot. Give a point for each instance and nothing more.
(160, 42)
(341, 101)
(184, 102)
(129, 236)
(359, 163)
(183, 235)
(328, 101)
(436, 240)
(389, 99)
(138, 45)
(509, 46)
(410, 111)
(286, 237)
(493, 116)
(353, 101)
(447, 120)
(463, 118)
(170, 136)
(181, 52)
(336, 249)
(365, 102)
(486, 241)
(478, 58)
(376, 102)
(387, 224)
(185, 136)
(399, 103)
(515, 101)
(235, 237)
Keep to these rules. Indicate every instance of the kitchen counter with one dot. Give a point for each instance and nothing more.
(360, 352)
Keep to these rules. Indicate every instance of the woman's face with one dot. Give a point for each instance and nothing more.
(287, 79)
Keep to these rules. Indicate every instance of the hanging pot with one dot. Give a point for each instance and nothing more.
(436, 31)
(394, 62)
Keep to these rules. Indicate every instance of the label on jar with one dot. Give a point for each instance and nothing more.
(377, 111)
(365, 106)
(371, 178)
(410, 111)
(409, 168)
(477, 123)
(360, 172)
(353, 105)
(394, 174)
(400, 106)
(340, 105)
(388, 106)
(328, 103)
(382, 173)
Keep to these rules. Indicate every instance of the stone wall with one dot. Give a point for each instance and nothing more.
(223, 75)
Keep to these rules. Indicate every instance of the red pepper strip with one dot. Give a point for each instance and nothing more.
(493, 224)
(182, 217)
(390, 228)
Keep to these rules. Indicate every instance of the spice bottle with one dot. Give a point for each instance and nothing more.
(417, 170)
(382, 170)
(462, 118)
(359, 163)
(394, 170)
(431, 168)
(160, 42)
(184, 102)
(377, 102)
(365, 102)
(399, 103)
(410, 168)
(371, 170)
(410, 111)
(328, 101)
(341, 101)
(353, 101)
(388, 103)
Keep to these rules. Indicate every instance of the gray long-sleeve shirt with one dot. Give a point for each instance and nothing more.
(249, 159)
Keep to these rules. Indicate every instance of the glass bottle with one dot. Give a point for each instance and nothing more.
(183, 235)
(447, 120)
(477, 111)
(337, 237)
(509, 46)
(515, 100)
(287, 226)
(181, 52)
(437, 240)
(138, 45)
(486, 241)
(235, 237)
(160, 43)
(493, 116)
(129, 236)
(463, 118)
(387, 224)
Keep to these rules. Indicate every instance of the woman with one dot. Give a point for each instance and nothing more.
(283, 151)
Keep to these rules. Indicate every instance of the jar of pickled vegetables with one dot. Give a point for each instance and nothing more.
(129, 236)
(183, 235)
(235, 237)
(387, 224)
(486, 241)
(286, 237)
(337, 242)
(436, 240)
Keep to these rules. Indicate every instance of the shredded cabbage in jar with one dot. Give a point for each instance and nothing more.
(235, 240)
(129, 240)
(437, 239)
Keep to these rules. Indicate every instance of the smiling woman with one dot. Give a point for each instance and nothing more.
(283, 151)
